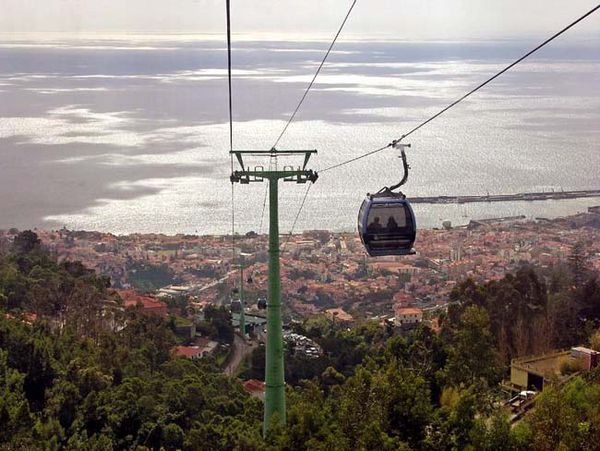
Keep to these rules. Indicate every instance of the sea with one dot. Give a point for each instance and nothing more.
(130, 133)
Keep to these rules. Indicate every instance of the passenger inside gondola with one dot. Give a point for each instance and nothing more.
(375, 226)
(392, 225)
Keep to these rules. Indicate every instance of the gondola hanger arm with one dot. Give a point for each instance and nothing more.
(405, 166)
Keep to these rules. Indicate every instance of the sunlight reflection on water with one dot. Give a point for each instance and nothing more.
(142, 135)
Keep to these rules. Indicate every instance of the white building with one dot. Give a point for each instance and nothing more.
(407, 315)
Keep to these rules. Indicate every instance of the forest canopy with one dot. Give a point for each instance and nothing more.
(71, 380)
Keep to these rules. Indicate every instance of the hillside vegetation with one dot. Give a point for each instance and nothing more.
(78, 372)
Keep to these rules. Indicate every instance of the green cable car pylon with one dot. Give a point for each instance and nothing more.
(274, 369)
(242, 256)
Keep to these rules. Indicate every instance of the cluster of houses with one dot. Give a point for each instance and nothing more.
(150, 305)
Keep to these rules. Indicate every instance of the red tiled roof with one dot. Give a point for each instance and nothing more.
(408, 311)
(26, 318)
(254, 386)
(132, 298)
(187, 351)
(340, 314)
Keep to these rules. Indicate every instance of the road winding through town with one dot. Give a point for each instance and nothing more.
(240, 349)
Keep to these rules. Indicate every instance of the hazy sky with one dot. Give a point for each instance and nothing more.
(400, 19)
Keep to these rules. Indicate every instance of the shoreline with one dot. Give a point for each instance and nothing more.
(593, 210)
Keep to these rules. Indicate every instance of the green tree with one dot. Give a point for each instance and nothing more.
(566, 418)
(220, 318)
(26, 242)
(595, 340)
(578, 263)
(494, 434)
(15, 416)
(472, 356)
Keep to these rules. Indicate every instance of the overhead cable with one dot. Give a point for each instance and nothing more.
(297, 216)
(228, 8)
(293, 116)
(456, 102)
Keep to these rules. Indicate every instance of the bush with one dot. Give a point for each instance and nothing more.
(570, 366)
(595, 341)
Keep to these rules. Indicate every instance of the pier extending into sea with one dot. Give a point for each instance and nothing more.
(550, 195)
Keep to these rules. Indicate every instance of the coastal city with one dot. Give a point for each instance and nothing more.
(207, 288)
(309, 226)
(323, 272)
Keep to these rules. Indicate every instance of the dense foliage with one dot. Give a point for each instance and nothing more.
(71, 379)
(530, 313)
(31, 281)
(149, 277)
(123, 391)
(217, 324)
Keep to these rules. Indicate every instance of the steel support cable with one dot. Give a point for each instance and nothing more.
(262, 215)
(302, 99)
(228, 7)
(456, 102)
(297, 216)
(229, 79)
(310, 85)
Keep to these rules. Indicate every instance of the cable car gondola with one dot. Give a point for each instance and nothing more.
(386, 221)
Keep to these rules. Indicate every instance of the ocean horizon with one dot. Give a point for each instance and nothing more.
(129, 134)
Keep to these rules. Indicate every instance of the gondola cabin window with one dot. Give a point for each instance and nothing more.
(386, 218)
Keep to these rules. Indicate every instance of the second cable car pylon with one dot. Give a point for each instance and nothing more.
(274, 369)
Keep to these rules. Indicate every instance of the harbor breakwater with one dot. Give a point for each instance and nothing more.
(550, 195)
